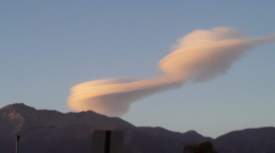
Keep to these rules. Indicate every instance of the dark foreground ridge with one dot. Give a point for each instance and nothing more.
(47, 131)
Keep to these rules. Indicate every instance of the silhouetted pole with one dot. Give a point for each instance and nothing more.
(107, 141)
(17, 143)
(107, 145)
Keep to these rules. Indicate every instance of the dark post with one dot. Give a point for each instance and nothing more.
(17, 143)
(107, 145)
(107, 141)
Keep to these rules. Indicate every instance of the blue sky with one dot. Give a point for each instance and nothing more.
(48, 46)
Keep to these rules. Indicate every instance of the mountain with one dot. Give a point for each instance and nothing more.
(260, 140)
(23, 117)
(47, 131)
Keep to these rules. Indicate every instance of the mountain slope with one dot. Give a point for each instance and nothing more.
(258, 140)
(25, 117)
(47, 131)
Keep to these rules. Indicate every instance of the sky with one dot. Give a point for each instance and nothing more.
(46, 47)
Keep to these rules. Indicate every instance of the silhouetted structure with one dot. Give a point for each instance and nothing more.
(107, 141)
(17, 143)
(205, 147)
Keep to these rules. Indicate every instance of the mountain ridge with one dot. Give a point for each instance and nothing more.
(54, 131)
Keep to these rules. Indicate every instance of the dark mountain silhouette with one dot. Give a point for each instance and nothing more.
(47, 131)
(260, 140)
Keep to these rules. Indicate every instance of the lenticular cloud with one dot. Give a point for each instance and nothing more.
(199, 56)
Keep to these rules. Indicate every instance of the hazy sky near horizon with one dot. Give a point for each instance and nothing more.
(46, 47)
